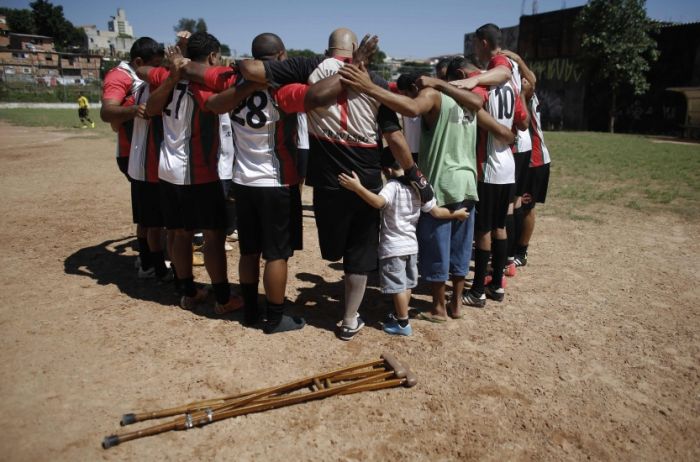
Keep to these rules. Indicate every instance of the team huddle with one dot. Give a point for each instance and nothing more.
(195, 135)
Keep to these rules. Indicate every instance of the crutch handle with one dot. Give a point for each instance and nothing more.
(394, 365)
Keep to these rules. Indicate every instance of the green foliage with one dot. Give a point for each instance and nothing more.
(293, 53)
(49, 21)
(225, 50)
(191, 25)
(20, 21)
(46, 19)
(616, 42)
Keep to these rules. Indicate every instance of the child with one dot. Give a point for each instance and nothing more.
(398, 247)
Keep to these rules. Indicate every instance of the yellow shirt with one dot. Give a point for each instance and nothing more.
(82, 102)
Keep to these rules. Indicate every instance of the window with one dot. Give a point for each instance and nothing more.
(49, 57)
(26, 70)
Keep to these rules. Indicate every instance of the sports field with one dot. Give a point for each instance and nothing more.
(595, 354)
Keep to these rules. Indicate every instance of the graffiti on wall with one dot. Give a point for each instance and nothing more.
(561, 69)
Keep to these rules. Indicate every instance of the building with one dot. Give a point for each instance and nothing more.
(115, 41)
(33, 58)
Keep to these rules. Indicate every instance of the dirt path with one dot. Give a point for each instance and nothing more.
(595, 353)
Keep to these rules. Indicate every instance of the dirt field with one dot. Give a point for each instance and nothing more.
(595, 353)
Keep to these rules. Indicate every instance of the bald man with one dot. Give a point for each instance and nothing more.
(342, 139)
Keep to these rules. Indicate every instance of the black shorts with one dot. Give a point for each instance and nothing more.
(492, 208)
(145, 204)
(269, 220)
(192, 207)
(536, 188)
(522, 165)
(82, 112)
(123, 164)
(348, 228)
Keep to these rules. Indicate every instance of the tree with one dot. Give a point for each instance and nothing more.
(191, 25)
(49, 21)
(616, 46)
(20, 21)
(225, 50)
(292, 53)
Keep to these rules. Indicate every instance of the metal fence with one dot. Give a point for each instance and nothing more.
(40, 90)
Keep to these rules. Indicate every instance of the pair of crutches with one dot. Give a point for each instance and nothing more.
(386, 372)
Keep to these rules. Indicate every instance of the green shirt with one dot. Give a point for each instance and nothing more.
(448, 153)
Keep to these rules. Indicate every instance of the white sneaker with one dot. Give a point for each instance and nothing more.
(228, 247)
(233, 237)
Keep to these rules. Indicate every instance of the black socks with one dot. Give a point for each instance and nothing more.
(481, 262)
(499, 247)
(222, 292)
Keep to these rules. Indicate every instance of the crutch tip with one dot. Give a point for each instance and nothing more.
(110, 441)
(127, 419)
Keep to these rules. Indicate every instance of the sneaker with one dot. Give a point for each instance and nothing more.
(228, 247)
(470, 299)
(510, 270)
(150, 273)
(197, 259)
(190, 303)
(496, 294)
(394, 328)
(347, 333)
(233, 237)
(521, 260)
(234, 303)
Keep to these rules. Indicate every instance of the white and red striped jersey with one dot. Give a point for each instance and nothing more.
(495, 162)
(190, 148)
(146, 138)
(540, 153)
(302, 131)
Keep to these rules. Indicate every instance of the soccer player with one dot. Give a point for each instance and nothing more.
(266, 181)
(521, 153)
(146, 138)
(191, 193)
(496, 168)
(348, 228)
(538, 176)
(119, 109)
(447, 150)
(84, 111)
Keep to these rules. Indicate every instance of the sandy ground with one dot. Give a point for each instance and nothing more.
(593, 355)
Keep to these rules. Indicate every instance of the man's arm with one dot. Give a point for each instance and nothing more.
(230, 98)
(116, 88)
(360, 81)
(353, 184)
(323, 93)
(464, 98)
(501, 132)
(524, 69)
(495, 76)
(252, 70)
(521, 118)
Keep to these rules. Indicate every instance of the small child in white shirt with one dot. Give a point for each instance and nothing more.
(398, 247)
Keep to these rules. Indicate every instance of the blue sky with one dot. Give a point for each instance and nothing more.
(406, 28)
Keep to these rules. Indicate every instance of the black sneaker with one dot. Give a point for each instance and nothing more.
(477, 301)
(347, 333)
(521, 260)
(496, 294)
